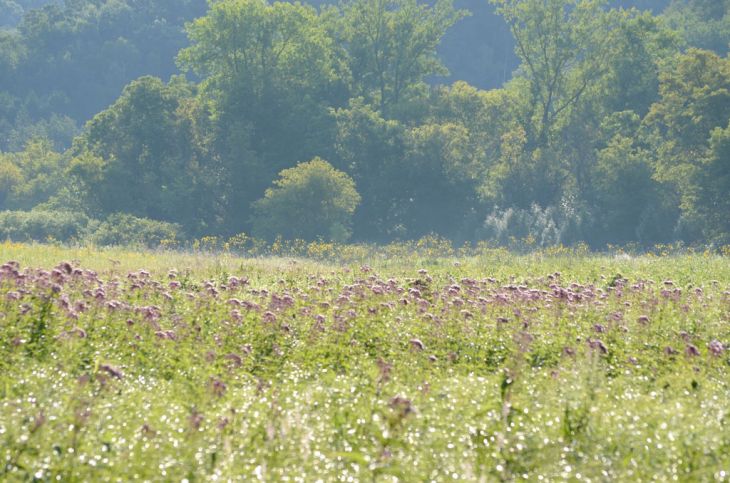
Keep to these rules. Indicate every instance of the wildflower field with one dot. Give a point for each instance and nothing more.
(166, 366)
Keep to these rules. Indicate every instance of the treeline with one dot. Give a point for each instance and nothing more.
(326, 122)
(61, 62)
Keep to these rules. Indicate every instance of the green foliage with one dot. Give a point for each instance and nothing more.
(370, 148)
(704, 24)
(713, 202)
(259, 47)
(10, 178)
(695, 99)
(68, 60)
(562, 45)
(312, 200)
(489, 120)
(138, 156)
(43, 226)
(497, 367)
(121, 229)
(686, 129)
(270, 74)
(398, 168)
(639, 48)
(629, 199)
(605, 133)
(391, 46)
(57, 129)
(30, 177)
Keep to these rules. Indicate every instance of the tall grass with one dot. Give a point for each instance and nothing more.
(169, 366)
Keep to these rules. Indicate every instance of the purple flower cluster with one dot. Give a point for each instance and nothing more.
(148, 307)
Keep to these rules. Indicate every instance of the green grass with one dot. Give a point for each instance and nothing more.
(424, 381)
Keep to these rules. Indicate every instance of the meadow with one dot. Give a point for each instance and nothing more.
(119, 365)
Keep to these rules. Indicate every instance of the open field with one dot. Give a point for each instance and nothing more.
(116, 365)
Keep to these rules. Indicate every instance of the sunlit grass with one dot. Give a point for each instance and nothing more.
(548, 366)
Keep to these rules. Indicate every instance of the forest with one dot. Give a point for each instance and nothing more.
(554, 121)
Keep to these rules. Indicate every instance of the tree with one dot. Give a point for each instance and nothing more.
(630, 205)
(371, 149)
(31, 176)
(310, 201)
(562, 45)
(391, 46)
(437, 181)
(587, 76)
(640, 48)
(10, 178)
(86, 51)
(713, 202)
(687, 130)
(67, 60)
(704, 24)
(259, 48)
(270, 75)
(140, 157)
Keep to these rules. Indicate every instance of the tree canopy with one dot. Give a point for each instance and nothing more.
(309, 201)
(611, 126)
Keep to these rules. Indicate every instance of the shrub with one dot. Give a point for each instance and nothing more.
(312, 200)
(127, 230)
(42, 225)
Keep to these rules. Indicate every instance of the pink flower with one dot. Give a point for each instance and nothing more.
(235, 359)
(417, 344)
(670, 351)
(111, 370)
(222, 423)
(716, 348)
(691, 351)
(196, 420)
(218, 387)
(616, 316)
(597, 344)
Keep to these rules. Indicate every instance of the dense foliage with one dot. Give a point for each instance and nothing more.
(496, 368)
(612, 129)
(309, 201)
